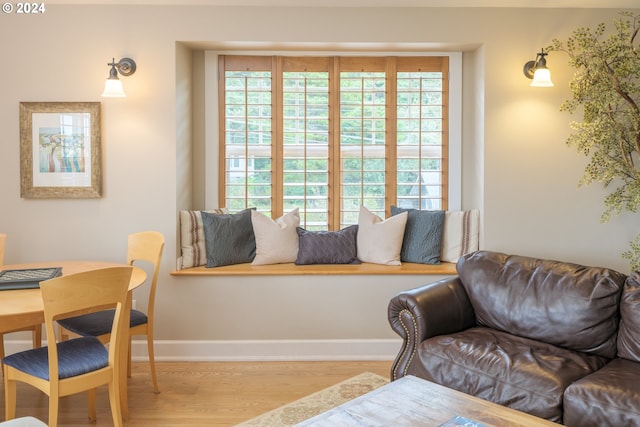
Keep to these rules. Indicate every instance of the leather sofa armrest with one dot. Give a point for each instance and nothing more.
(438, 308)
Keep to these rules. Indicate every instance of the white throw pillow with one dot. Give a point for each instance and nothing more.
(460, 234)
(380, 241)
(276, 241)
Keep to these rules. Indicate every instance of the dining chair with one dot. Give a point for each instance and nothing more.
(143, 246)
(80, 364)
(36, 330)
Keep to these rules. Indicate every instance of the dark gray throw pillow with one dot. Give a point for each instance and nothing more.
(422, 235)
(228, 238)
(327, 247)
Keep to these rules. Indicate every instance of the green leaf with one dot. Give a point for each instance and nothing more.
(606, 87)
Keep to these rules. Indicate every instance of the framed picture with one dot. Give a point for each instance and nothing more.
(60, 150)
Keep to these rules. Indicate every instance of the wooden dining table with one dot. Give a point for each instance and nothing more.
(24, 307)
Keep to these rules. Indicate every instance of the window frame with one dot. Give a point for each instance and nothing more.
(214, 191)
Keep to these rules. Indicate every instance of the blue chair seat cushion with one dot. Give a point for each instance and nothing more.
(99, 323)
(75, 357)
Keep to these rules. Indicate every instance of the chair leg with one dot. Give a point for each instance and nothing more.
(91, 404)
(114, 402)
(152, 363)
(1, 346)
(123, 396)
(54, 400)
(9, 396)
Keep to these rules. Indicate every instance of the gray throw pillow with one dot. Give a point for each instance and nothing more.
(422, 235)
(327, 247)
(229, 238)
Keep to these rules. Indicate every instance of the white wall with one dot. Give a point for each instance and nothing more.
(517, 168)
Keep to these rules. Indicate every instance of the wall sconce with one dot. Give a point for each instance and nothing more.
(113, 85)
(538, 71)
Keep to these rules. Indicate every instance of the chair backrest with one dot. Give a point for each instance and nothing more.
(3, 245)
(147, 246)
(82, 293)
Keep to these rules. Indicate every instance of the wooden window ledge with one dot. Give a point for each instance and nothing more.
(290, 269)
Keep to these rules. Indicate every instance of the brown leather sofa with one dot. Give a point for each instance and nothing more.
(557, 340)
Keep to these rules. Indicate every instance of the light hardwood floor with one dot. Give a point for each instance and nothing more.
(201, 393)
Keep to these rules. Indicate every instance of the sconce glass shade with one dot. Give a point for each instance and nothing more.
(541, 78)
(538, 71)
(113, 89)
(113, 85)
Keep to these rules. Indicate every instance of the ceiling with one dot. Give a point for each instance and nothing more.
(613, 4)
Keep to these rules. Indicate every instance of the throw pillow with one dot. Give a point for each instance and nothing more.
(229, 238)
(276, 241)
(194, 252)
(422, 235)
(327, 247)
(380, 241)
(460, 234)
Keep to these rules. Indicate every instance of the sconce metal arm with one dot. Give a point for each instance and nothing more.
(126, 66)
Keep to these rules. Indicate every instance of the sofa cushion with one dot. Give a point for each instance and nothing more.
(608, 397)
(629, 334)
(563, 304)
(512, 371)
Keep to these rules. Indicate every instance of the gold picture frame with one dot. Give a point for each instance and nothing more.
(60, 154)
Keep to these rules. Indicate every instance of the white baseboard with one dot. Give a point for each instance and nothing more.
(255, 350)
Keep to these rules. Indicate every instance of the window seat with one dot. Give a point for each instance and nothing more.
(290, 269)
